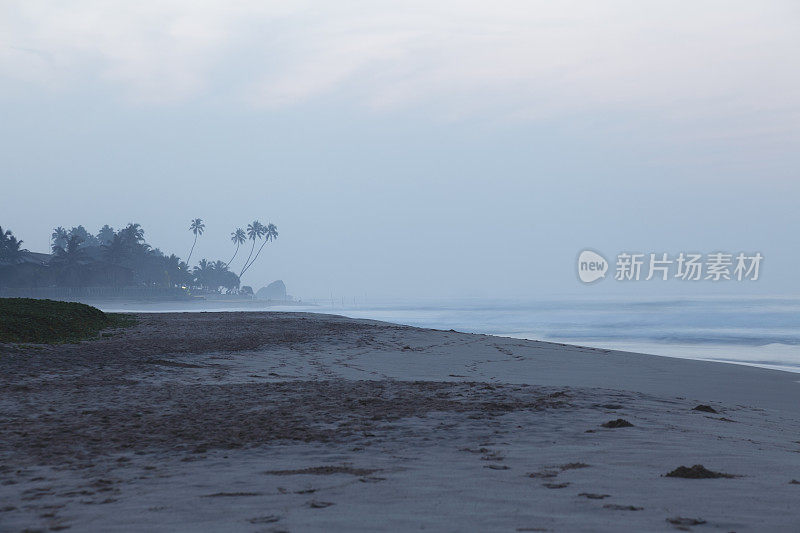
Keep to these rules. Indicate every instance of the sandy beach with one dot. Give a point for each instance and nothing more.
(268, 421)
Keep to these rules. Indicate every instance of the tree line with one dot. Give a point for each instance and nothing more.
(123, 257)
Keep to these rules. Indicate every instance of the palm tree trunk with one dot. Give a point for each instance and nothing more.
(234, 256)
(248, 258)
(192, 250)
(256, 257)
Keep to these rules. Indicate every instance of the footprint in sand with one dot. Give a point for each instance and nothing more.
(315, 504)
(543, 474)
(574, 466)
(680, 521)
(268, 519)
(616, 507)
(593, 496)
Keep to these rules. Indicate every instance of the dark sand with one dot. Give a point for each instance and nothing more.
(228, 421)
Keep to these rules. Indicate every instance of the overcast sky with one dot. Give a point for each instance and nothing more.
(410, 148)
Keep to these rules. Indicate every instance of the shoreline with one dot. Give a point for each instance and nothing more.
(302, 421)
(708, 352)
(767, 356)
(764, 335)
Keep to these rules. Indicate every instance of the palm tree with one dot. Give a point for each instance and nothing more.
(70, 254)
(178, 272)
(5, 237)
(197, 228)
(202, 273)
(9, 247)
(270, 233)
(87, 239)
(185, 274)
(230, 281)
(133, 233)
(220, 277)
(172, 267)
(115, 250)
(127, 247)
(59, 237)
(68, 260)
(105, 234)
(254, 231)
(238, 237)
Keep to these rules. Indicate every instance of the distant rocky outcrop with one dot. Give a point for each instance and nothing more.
(274, 291)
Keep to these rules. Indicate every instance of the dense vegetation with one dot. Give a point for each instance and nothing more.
(114, 258)
(47, 321)
(10, 250)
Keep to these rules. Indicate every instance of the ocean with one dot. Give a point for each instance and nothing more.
(762, 332)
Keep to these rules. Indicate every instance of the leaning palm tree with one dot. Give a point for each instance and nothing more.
(254, 231)
(270, 233)
(197, 228)
(237, 237)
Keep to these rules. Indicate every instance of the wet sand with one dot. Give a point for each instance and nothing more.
(296, 422)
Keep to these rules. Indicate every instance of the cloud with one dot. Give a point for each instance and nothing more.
(529, 58)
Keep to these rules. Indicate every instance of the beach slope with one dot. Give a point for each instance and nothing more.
(266, 421)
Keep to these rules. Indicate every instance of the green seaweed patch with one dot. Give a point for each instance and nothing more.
(27, 320)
